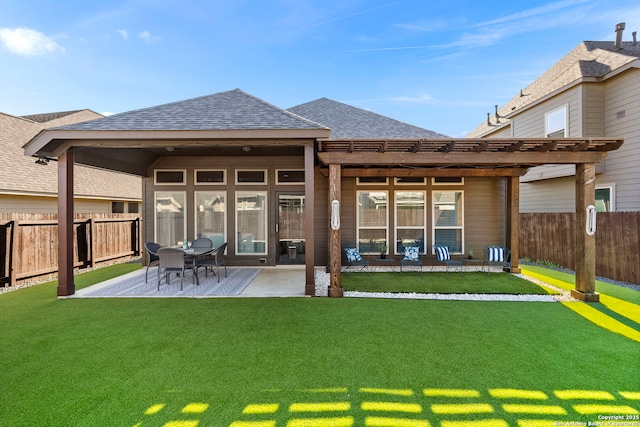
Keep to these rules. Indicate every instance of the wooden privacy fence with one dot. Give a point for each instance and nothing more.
(551, 237)
(29, 242)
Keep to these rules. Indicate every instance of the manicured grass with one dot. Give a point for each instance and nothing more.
(177, 362)
(443, 283)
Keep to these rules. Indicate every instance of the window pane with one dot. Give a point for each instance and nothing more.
(170, 220)
(447, 209)
(556, 123)
(450, 238)
(372, 180)
(251, 222)
(170, 177)
(410, 209)
(410, 237)
(133, 207)
(117, 207)
(410, 180)
(210, 216)
(370, 240)
(603, 200)
(211, 176)
(251, 176)
(290, 176)
(372, 209)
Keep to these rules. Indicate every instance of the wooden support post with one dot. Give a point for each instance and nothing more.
(335, 265)
(513, 221)
(66, 285)
(309, 218)
(13, 252)
(585, 244)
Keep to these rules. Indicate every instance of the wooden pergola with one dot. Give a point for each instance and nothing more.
(506, 157)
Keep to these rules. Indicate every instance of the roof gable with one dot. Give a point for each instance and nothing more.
(231, 110)
(589, 60)
(346, 121)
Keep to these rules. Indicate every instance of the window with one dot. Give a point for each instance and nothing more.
(117, 207)
(604, 199)
(133, 207)
(210, 176)
(290, 176)
(447, 180)
(251, 222)
(411, 180)
(251, 176)
(210, 213)
(410, 220)
(363, 180)
(372, 221)
(170, 226)
(176, 177)
(555, 123)
(448, 219)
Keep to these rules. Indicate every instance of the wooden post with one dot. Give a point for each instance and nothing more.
(66, 285)
(335, 266)
(13, 252)
(513, 221)
(309, 218)
(585, 244)
(92, 242)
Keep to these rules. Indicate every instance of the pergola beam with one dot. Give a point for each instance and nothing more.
(526, 159)
(429, 172)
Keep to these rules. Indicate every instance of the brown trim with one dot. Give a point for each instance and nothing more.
(66, 285)
(309, 218)
(429, 172)
(455, 159)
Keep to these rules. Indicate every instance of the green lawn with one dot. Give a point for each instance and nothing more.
(247, 362)
(443, 283)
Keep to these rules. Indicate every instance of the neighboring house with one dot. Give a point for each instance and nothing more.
(592, 92)
(28, 187)
(236, 169)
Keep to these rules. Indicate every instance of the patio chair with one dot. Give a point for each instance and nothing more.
(443, 255)
(172, 261)
(215, 260)
(353, 258)
(498, 256)
(412, 256)
(200, 243)
(152, 252)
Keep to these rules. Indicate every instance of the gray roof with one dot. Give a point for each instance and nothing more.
(346, 121)
(47, 117)
(593, 60)
(231, 110)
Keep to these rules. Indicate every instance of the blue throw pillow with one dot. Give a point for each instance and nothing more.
(411, 253)
(353, 255)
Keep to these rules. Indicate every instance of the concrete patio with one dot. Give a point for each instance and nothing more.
(285, 281)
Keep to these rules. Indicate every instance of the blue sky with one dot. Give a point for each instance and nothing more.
(439, 65)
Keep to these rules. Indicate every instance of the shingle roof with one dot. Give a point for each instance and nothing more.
(20, 175)
(47, 117)
(231, 110)
(590, 59)
(346, 121)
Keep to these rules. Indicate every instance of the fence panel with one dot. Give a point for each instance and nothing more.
(551, 237)
(29, 242)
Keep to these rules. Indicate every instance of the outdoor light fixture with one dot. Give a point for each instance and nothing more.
(246, 149)
(42, 161)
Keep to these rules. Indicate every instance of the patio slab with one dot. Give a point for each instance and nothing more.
(241, 282)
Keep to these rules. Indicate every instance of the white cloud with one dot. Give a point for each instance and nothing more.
(418, 99)
(107, 113)
(28, 42)
(145, 35)
(124, 34)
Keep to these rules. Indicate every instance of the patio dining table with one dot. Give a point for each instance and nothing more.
(192, 255)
